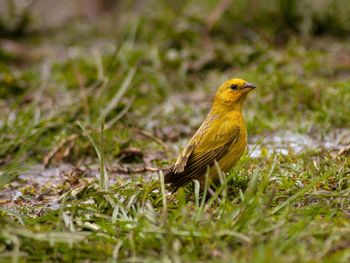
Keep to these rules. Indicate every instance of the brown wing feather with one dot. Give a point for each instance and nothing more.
(197, 164)
(182, 160)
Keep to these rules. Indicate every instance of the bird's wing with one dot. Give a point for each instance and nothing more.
(200, 153)
(196, 140)
(181, 161)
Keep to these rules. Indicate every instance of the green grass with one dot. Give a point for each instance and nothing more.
(260, 213)
(94, 92)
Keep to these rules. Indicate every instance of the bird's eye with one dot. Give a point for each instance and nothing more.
(234, 87)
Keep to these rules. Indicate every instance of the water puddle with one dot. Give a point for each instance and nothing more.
(289, 142)
(41, 187)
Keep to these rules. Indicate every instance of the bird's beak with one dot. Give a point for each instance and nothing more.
(248, 86)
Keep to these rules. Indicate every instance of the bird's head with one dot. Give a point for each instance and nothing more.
(232, 93)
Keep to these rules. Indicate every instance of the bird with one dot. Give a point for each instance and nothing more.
(221, 139)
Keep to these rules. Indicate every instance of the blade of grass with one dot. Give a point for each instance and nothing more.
(196, 192)
(162, 188)
(204, 196)
(13, 213)
(120, 93)
(301, 192)
(103, 173)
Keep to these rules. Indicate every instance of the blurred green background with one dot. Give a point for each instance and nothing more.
(149, 69)
(128, 60)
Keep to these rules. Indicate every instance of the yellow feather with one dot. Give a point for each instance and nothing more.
(221, 138)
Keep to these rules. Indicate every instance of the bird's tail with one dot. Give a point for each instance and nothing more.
(169, 181)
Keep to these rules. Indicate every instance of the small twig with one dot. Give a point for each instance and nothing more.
(129, 170)
(344, 150)
(69, 142)
(157, 140)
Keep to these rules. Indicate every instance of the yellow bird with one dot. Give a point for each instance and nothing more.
(221, 138)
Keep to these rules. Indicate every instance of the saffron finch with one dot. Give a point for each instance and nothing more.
(221, 138)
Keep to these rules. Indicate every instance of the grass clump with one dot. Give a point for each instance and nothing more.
(286, 212)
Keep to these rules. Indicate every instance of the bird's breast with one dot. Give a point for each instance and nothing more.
(235, 151)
